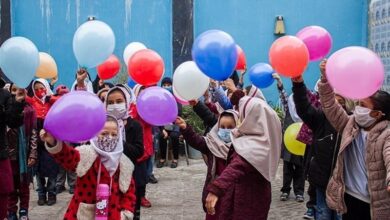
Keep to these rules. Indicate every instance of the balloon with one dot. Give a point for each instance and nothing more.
(146, 67)
(241, 61)
(157, 106)
(261, 75)
(289, 56)
(109, 68)
(290, 140)
(178, 98)
(19, 60)
(131, 83)
(215, 53)
(131, 49)
(76, 117)
(317, 40)
(355, 72)
(190, 83)
(47, 68)
(93, 43)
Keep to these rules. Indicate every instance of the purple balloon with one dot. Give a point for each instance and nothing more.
(76, 117)
(157, 106)
(317, 40)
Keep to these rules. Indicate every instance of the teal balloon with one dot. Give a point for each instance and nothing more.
(19, 60)
(93, 43)
(261, 75)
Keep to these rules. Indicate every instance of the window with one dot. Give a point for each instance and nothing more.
(377, 15)
(383, 48)
(383, 13)
(376, 47)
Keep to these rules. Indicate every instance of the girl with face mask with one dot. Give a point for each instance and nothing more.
(360, 185)
(100, 162)
(215, 145)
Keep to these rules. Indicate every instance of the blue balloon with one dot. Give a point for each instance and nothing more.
(215, 53)
(19, 60)
(261, 75)
(131, 83)
(93, 43)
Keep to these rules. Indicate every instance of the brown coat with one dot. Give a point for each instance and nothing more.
(377, 158)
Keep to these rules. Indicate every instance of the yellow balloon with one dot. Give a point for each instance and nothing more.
(290, 140)
(47, 66)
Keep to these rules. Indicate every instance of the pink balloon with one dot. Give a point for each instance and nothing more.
(355, 72)
(318, 41)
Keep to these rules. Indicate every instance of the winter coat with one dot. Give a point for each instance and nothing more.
(147, 135)
(41, 108)
(326, 140)
(208, 117)
(377, 158)
(85, 162)
(134, 146)
(11, 116)
(199, 143)
(242, 191)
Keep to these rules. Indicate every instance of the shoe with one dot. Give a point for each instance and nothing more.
(153, 179)
(173, 165)
(42, 200)
(160, 164)
(145, 203)
(299, 198)
(309, 214)
(284, 197)
(60, 189)
(23, 214)
(71, 191)
(12, 216)
(52, 199)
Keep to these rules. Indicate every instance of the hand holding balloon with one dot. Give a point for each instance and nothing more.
(298, 79)
(181, 123)
(47, 137)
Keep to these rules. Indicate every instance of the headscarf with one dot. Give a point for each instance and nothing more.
(110, 160)
(218, 147)
(47, 87)
(126, 95)
(87, 83)
(101, 91)
(256, 92)
(259, 137)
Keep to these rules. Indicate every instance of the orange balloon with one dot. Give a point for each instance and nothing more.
(47, 68)
(289, 56)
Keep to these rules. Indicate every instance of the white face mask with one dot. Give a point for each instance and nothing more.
(363, 117)
(224, 134)
(117, 110)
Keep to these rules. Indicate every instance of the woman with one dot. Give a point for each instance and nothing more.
(244, 187)
(215, 145)
(100, 162)
(360, 185)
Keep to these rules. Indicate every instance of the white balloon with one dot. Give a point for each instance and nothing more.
(131, 49)
(189, 82)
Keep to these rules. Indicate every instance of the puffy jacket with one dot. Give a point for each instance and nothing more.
(42, 108)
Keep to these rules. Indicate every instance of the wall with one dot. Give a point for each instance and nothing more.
(251, 23)
(50, 24)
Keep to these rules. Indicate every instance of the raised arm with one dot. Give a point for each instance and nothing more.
(195, 140)
(208, 117)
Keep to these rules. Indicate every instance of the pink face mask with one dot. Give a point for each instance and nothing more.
(40, 93)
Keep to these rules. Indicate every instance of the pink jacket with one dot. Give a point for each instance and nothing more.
(377, 158)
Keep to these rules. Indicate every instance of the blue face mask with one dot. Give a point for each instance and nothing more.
(224, 134)
(169, 88)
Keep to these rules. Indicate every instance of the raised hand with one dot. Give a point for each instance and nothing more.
(47, 137)
(181, 123)
(323, 69)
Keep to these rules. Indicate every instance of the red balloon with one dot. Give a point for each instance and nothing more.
(146, 67)
(109, 68)
(241, 61)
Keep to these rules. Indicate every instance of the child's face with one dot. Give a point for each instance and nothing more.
(116, 97)
(38, 86)
(14, 89)
(110, 129)
(227, 122)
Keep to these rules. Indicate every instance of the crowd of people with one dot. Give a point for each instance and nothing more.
(346, 161)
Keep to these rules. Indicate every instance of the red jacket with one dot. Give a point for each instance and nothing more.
(148, 134)
(41, 108)
(85, 162)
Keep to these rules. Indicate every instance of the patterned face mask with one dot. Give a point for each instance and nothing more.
(107, 143)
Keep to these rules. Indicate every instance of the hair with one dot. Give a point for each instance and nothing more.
(235, 78)
(247, 89)
(236, 96)
(110, 118)
(381, 102)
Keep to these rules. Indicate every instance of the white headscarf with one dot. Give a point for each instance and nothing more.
(127, 98)
(259, 137)
(257, 93)
(291, 108)
(88, 84)
(110, 160)
(46, 85)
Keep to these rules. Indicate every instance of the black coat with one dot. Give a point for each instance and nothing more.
(208, 117)
(134, 143)
(11, 115)
(326, 140)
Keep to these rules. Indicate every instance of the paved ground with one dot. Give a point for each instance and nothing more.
(177, 196)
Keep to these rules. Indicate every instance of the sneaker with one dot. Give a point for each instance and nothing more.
(12, 216)
(153, 179)
(145, 203)
(42, 200)
(173, 164)
(23, 214)
(284, 197)
(309, 214)
(71, 191)
(52, 199)
(60, 189)
(299, 198)
(160, 164)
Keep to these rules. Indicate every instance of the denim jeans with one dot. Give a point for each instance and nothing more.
(46, 187)
(322, 210)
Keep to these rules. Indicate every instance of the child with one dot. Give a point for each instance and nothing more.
(215, 145)
(100, 162)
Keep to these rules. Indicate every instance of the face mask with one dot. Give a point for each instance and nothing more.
(107, 143)
(40, 93)
(169, 88)
(117, 110)
(363, 118)
(224, 134)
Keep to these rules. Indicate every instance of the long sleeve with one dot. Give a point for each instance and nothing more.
(33, 144)
(65, 156)
(14, 113)
(195, 140)
(283, 98)
(209, 118)
(134, 145)
(386, 157)
(222, 99)
(336, 115)
(128, 200)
